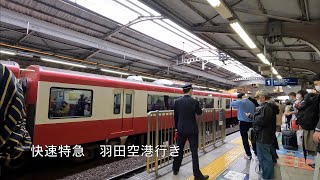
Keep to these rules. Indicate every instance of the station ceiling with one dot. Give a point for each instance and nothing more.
(296, 54)
(66, 30)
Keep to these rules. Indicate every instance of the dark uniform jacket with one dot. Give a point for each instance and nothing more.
(264, 123)
(185, 110)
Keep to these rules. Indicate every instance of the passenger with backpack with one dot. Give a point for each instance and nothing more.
(308, 118)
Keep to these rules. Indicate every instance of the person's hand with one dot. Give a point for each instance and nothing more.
(316, 137)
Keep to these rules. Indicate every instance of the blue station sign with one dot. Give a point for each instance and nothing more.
(282, 82)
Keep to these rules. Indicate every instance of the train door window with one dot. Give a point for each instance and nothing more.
(228, 102)
(69, 103)
(117, 103)
(128, 103)
(219, 103)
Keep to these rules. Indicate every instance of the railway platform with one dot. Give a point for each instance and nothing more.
(226, 161)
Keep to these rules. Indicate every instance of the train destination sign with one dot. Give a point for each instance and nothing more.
(282, 82)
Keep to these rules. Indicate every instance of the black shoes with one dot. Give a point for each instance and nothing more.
(175, 172)
(204, 177)
(313, 165)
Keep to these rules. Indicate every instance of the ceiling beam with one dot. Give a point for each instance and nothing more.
(296, 63)
(306, 32)
(187, 3)
(21, 20)
(273, 48)
(281, 18)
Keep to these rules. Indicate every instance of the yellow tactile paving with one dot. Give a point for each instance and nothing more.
(219, 165)
(237, 140)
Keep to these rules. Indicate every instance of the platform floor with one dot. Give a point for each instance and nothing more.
(226, 162)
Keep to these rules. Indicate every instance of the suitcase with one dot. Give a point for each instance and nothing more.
(289, 140)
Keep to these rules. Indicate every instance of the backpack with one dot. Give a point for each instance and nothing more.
(309, 114)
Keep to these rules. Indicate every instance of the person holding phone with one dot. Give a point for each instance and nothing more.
(244, 106)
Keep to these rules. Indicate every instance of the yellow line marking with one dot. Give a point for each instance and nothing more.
(237, 141)
(219, 165)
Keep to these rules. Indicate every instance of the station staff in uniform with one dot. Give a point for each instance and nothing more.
(185, 110)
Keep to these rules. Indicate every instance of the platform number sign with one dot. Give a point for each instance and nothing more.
(268, 82)
(282, 82)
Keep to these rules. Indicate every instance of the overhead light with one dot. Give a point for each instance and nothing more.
(222, 9)
(263, 59)
(279, 76)
(63, 62)
(245, 37)
(114, 72)
(274, 71)
(214, 3)
(7, 52)
(200, 87)
(150, 78)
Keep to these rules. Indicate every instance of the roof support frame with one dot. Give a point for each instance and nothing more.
(21, 20)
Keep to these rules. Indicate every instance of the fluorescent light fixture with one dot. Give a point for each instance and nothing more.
(245, 37)
(214, 3)
(263, 58)
(279, 76)
(213, 89)
(114, 72)
(150, 78)
(62, 62)
(200, 87)
(222, 9)
(274, 71)
(7, 52)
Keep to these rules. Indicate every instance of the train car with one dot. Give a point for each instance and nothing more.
(68, 108)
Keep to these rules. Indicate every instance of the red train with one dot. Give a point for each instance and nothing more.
(67, 107)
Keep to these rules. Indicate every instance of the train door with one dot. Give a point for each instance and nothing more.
(123, 108)
(127, 113)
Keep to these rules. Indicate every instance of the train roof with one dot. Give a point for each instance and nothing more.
(81, 78)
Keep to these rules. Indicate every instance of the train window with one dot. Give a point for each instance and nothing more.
(70, 103)
(228, 102)
(158, 102)
(128, 103)
(209, 102)
(117, 103)
(202, 102)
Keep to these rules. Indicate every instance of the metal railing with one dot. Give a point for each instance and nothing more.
(161, 132)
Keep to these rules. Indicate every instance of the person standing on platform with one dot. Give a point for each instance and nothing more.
(244, 106)
(185, 110)
(264, 125)
(291, 115)
(316, 135)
